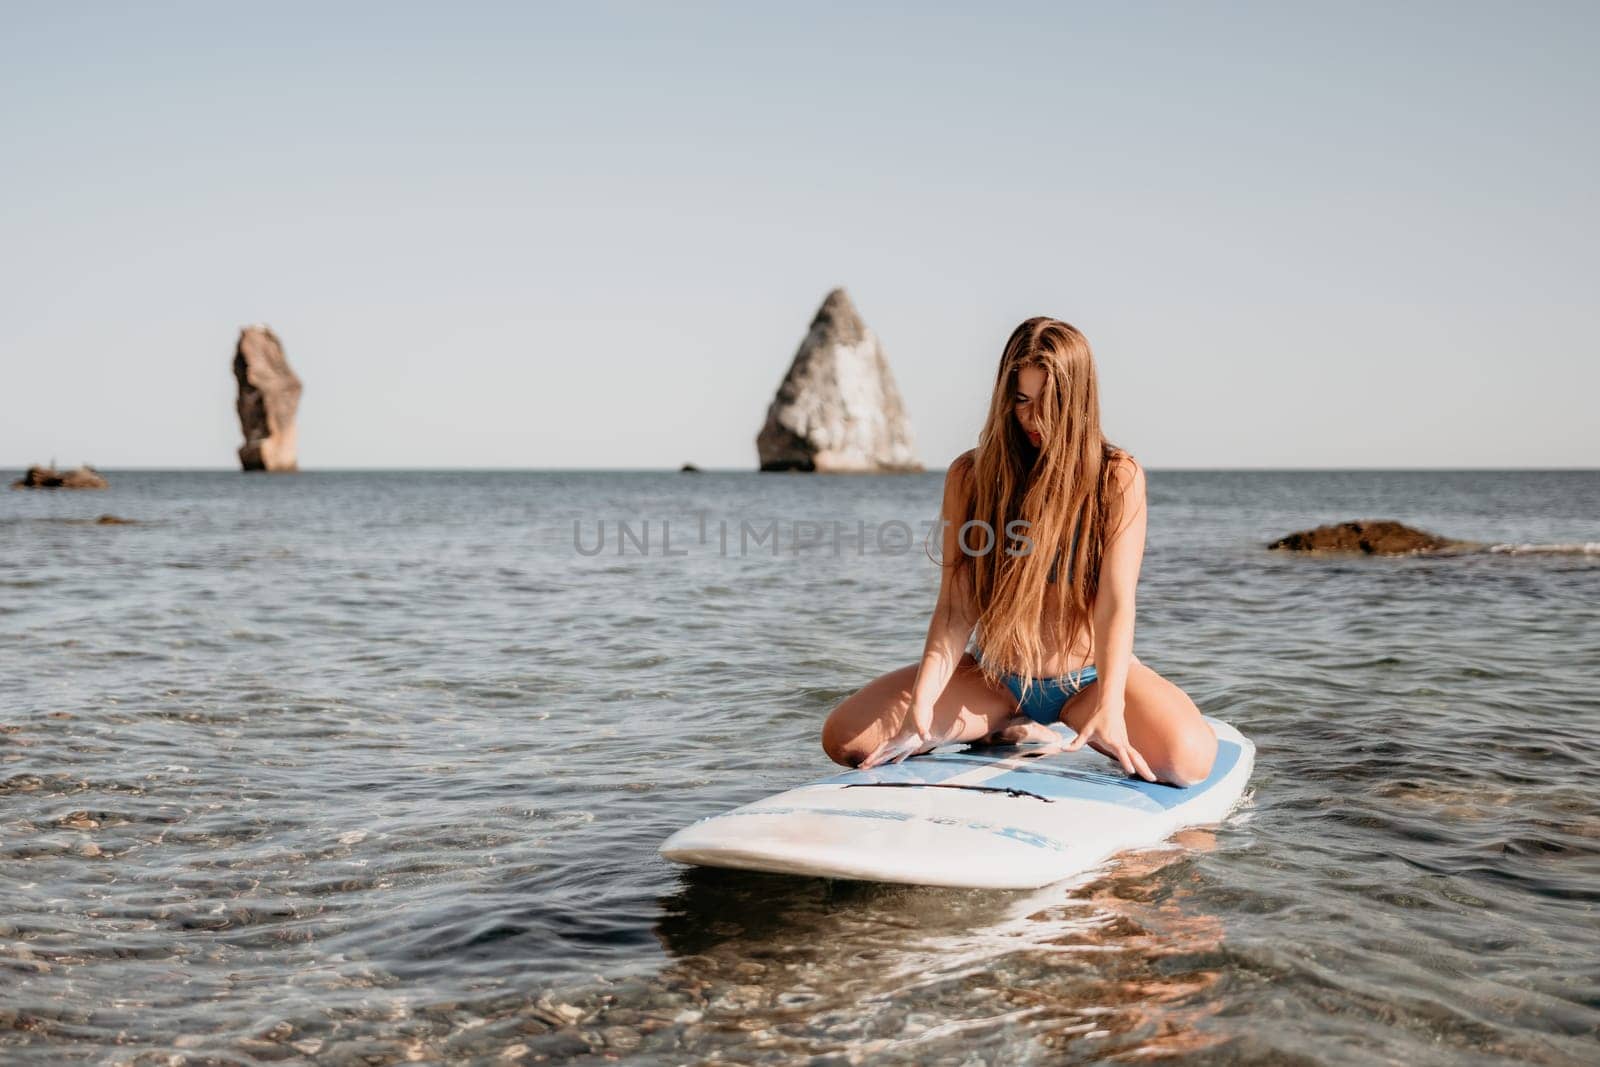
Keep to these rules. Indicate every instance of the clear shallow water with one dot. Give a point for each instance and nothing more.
(372, 767)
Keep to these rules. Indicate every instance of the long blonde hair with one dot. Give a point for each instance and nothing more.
(1062, 486)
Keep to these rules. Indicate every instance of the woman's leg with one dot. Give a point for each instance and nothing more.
(969, 709)
(1163, 724)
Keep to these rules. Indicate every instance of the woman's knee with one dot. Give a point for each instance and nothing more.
(1191, 757)
(838, 742)
(851, 730)
(1179, 744)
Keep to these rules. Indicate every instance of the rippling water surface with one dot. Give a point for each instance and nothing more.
(372, 767)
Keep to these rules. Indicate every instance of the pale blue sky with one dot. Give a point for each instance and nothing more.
(592, 235)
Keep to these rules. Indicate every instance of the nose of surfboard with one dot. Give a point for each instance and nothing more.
(922, 837)
(985, 818)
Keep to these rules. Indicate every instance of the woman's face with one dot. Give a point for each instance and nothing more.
(1030, 383)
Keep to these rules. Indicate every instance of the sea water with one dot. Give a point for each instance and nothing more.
(372, 767)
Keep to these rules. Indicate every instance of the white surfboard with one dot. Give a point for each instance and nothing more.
(981, 818)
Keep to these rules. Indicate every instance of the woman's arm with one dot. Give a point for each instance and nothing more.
(1114, 614)
(952, 622)
(953, 614)
(1119, 575)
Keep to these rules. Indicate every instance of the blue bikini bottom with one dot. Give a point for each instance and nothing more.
(1048, 696)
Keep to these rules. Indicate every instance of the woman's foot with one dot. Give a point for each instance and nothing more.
(1020, 730)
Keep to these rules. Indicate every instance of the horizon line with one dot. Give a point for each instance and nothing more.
(22, 468)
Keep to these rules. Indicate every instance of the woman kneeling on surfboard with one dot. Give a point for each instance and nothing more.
(1051, 597)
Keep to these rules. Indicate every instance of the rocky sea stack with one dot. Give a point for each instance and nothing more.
(1373, 537)
(838, 409)
(269, 396)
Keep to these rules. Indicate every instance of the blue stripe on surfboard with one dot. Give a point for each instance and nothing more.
(1153, 795)
(917, 769)
(1014, 833)
(1045, 780)
(1115, 786)
(1035, 765)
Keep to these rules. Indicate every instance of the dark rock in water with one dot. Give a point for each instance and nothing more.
(114, 520)
(85, 477)
(838, 409)
(1378, 537)
(689, 467)
(269, 396)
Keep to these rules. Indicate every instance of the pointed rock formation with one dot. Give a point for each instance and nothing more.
(269, 395)
(838, 409)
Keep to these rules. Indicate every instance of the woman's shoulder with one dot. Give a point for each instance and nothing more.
(1121, 460)
(958, 477)
(1122, 470)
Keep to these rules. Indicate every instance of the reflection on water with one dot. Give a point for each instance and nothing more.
(877, 973)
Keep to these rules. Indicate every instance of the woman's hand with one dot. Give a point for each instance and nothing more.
(1105, 725)
(894, 750)
(914, 737)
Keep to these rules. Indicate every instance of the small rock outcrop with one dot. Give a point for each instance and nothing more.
(269, 396)
(85, 477)
(838, 409)
(1377, 537)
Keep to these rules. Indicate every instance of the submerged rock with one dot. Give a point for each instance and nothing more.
(85, 477)
(838, 409)
(1376, 537)
(269, 396)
